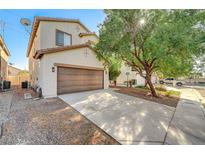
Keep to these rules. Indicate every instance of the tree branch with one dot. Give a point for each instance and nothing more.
(132, 64)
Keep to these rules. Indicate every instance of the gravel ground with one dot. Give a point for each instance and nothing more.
(45, 121)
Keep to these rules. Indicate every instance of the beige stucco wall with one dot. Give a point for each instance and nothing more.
(4, 64)
(91, 38)
(34, 65)
(13, 71)
(48, 33)
(41, 70)
(74, 57)
(3, 54)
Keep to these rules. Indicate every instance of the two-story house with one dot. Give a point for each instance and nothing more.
(61, 57)
(4, 56)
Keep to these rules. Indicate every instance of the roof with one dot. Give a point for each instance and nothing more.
(3, 45)
(10, 66)
(87, 34)
(38, 19)
(40, 53)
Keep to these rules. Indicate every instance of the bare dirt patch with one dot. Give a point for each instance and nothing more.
(145, 94)
(49, 121)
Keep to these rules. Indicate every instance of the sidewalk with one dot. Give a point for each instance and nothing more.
(188, 123)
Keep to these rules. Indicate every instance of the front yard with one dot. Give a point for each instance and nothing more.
(166, 97)
(102, 117)
(46, 121)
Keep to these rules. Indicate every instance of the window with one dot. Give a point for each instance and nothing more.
(62, 38)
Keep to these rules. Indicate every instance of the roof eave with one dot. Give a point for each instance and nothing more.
(36, 22)
(4, 46)
(40, 53)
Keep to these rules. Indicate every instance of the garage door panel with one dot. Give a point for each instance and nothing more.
(77, 89)
(70, 84)
(79, 77)
(76, 80)
(75, 71)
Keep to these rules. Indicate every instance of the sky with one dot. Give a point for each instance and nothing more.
(16, 37)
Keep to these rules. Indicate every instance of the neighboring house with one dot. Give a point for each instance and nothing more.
(127, 74)
(13, 71)
(61, 57)
(17, 76)
(4, 56)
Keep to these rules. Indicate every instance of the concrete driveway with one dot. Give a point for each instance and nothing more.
(128, 119)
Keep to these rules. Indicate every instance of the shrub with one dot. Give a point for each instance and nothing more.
(161, 88)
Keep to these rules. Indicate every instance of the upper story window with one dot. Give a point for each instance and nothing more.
(63, 39)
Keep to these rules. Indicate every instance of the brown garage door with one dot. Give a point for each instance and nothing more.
(77, 79)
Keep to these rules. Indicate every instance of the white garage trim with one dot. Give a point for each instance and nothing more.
(77, 66)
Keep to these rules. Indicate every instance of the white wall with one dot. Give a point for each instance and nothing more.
(74, 57)
(123, 77)
(140, 80)
(133, 75)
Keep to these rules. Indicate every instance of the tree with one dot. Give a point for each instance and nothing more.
(114, 70)
(152, 40)
(23, 73)
(199, 67)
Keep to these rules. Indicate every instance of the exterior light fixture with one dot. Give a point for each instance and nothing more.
(53, 69)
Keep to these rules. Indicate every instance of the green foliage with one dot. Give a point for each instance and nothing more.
(161, 88)
(23, 73)
(114, 69)
(171, 37)
(171, 93)
(161, 91)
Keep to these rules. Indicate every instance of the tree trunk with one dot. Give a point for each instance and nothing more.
(145, 85)
(151, 86)
(115, 83)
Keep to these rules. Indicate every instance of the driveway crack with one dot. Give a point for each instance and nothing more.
(165, 137)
